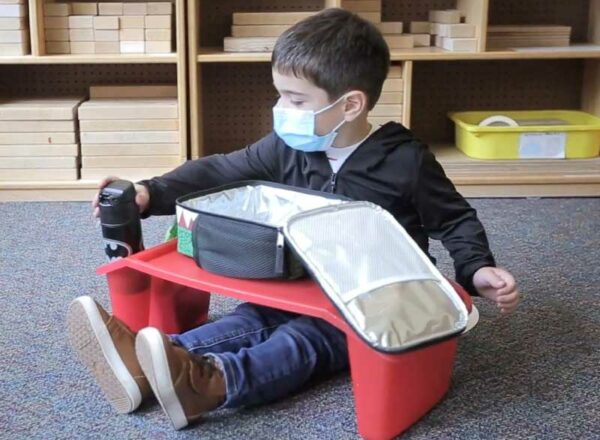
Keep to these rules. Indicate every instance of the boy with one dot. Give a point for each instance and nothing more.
(328, 70)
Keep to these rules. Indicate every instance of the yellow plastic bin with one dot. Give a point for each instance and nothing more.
(577, 138)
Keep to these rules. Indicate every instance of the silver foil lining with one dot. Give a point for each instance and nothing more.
(384, 285)
(259, 203)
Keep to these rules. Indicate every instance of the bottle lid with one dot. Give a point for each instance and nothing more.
(119, 191)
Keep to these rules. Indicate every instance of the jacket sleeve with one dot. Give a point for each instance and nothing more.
(448, 217)
(258, 161)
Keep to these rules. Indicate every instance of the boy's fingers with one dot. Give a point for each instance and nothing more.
(507, 299)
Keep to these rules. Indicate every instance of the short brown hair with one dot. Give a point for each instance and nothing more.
(337, 51)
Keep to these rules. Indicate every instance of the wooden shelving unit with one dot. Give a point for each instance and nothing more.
(225, 87)
(39, 74)
(226, 98)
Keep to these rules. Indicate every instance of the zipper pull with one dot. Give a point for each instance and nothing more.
(333, 181)
(280, 254)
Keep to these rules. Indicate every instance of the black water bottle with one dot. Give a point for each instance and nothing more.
(120, 220)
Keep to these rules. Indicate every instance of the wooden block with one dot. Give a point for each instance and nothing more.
(130, 161)
(132, 46)
(135, 8)
(104, 36)
(374, 17)
(270, 18)
(37, 138)
(390, 27)
(133, 91)
(128, 137)
(77, 35)
(104, 47)
(8, 24)
(84, 8)
(18, 10)
(105, 22)
(419, 27)
(82, 47)
(81, 22)
(57, 9)
(130, 125)
(362, 5)
(166, 108)
(393, 85)
(14, 49)
(439, 41)
(128, 149)
(36, 126)
(39, 175)
(42, 162)
(158, 47)
(58, 47)
(57, 34)
(422, 40)
(132, 22)
(20, 36)
(461, 30)
(158, 34)
(395, 71)
(545, 29)
(386, 110)
(44, 109)
(259, 31)
(460, 44)
(132, 34)
(404, 41)
(159, 8)
(133, 174)
(249, 44)
(56, 22)
(110, 8)
(39, 150)
(447, 16)
(391, 98)
(158, 21)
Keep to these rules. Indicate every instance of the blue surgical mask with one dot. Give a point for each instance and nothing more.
(297, 128)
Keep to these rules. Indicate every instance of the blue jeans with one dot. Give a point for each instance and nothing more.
(266, 353)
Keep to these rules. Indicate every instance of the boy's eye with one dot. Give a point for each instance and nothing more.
(298, 103)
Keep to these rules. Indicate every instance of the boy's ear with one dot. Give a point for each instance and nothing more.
(355, 104)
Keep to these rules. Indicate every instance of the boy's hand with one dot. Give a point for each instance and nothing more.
(498, 285)
(142, 197)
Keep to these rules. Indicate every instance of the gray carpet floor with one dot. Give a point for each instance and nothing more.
(534, 374)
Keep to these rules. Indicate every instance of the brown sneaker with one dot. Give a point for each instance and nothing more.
(186, 385)
(106, 346)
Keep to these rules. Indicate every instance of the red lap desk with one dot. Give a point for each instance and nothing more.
(161, 288)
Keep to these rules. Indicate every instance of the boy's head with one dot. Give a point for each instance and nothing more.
(333, 55)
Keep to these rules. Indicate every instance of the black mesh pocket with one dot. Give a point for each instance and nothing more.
(236, 248)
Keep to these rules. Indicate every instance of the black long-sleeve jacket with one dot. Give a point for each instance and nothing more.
(390, 169)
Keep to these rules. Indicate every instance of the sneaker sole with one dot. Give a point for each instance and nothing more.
(92, 342)
(150, 351)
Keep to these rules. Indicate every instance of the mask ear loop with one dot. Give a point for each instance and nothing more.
(333, 104)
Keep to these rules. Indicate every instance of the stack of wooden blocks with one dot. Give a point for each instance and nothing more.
(451, 33)
(258, 31)
(131, 131)
(500, 37)
(108, 28)
(38, 139)
(389, 106)
(14, 28)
